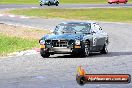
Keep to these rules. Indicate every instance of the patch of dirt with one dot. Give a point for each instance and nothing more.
(23, 32)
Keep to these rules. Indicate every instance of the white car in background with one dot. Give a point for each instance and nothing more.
(49, 2)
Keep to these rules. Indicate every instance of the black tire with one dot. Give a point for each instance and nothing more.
(49, 3)
(125, 2)
(44, 54)
(57, 3)
(104, 50)
(41, 4)
(86, 49)
(117, 2)
(110, 2)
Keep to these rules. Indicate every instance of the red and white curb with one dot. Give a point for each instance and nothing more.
(34, 7)
(27, 52)
(1, 15)
(13, 16)
(37, 49)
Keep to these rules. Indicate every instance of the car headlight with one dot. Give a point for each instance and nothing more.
(42, 42)
(77, 42)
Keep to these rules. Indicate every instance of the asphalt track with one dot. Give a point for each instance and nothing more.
(59, 71)
(12, 6)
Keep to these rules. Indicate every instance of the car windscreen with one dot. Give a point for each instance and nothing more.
(72, 28)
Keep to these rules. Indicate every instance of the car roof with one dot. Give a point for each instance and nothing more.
(72, 22)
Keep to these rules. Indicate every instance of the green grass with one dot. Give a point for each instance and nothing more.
(61, 1)
(13, 44)
(107, 14)
(19, 1)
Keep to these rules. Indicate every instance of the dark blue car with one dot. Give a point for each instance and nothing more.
(76, 38)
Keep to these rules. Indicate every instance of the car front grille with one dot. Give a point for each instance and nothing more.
(59, 43)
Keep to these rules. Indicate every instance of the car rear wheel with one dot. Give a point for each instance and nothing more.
(44, 54)
(110, 2)
(117, 2)
(41, 5)
(104, 50)
(49, 3)
(57, 3)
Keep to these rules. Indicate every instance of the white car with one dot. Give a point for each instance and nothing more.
(49, 2)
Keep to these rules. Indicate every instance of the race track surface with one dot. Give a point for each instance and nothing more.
(77, 6)
(59, 71)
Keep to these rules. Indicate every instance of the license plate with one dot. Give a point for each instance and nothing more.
(42, 46)
(77, 46)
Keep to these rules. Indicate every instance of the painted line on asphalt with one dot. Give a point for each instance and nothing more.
(22, 53)
(34, 7)
(1, 15)
(11, 15)
(24, 17)
(14, 16)
(15, 24)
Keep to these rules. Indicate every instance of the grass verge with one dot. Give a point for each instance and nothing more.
(19, 1)
(104, 14)
(13, 44)
(17, 38)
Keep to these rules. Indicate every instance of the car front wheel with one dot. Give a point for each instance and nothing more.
(104, 50)
(40, 4)
(110, 2)
(57, 3)
(44, 54)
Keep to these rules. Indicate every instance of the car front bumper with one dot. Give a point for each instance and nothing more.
(61, 50)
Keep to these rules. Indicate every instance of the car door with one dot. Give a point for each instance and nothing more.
(98, 37)
(95, 40)
(102, 36)
(53, 1)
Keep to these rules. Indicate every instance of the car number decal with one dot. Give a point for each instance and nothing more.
(94, 41)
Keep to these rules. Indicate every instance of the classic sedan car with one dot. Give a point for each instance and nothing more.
(49, 2)
(77, 38)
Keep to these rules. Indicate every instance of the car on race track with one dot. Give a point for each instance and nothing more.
(117, 1)
(76, 38)
(49, 2)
